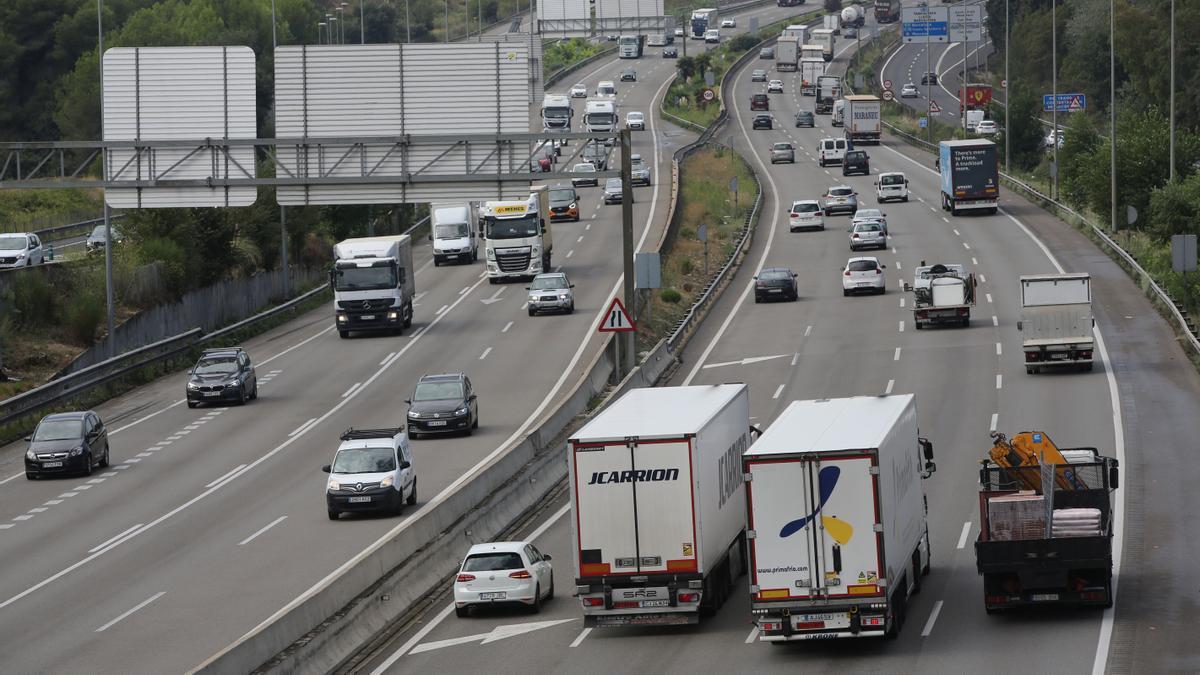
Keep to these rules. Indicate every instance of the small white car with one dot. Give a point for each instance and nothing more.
(503, 573)
(678, 32)
(579, 91)
(987, 128)
(639, 172)
(372, 471)
(584, 181)
(775, 87)
(909, 90)
(551, 292)
(606, 88)
(636, 120)
(863, 275)
(891, 185)
(729, 23)
(712, 36)
(805, 214)
(21, 249)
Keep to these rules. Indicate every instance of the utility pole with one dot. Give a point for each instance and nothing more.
(1054, 94)
(1112, 112)
(627, 246)
(283, 235)
(1171, 174)
(1007, 89)
(407, 23)
(362, 23)
(928, 94)
(108, 238)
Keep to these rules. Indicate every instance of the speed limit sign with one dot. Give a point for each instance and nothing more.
(709, 95)
(887, 84)
(888, 95)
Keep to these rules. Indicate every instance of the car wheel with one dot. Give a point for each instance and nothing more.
(437, 262)
(918, 325)
(87, 463)
(30, 476)
(343, 334)
(537, 600)
(333, 513)
(1029, 370)
(104, 459)
(904, 198)
(254, 392)
(192, 404)
(242, 395)
(462, 612)
(412, 496)
(550, 593)
(757, 299)
(571, 308)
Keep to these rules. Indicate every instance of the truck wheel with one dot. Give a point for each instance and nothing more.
(408, 316)
(437, 262)
(1087, 367)
(898, 614)
(918, 325)
(966, 321)
(904, 198)
(916, 572)
(475, 253)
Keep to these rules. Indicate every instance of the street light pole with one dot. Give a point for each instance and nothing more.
(1112, 113)
(341, 25)
(407, 22)
(362, 23)
(1007, 89)
(1171, 174)
(1054, 94)
(108, 238)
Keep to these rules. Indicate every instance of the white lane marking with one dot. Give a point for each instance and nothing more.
(12, 477)
(444, 308)
(53, 502)
(962, 537)
(974, 261)
(902, 303)
(579, 639)
(506, 327)
(349, 391)
(807, 331)
(135, 608)
(995, 419)
(933, 209)
(464, 290)
(6, 526)
(982, 279)
(96, 481)
(752, 636)
(89, 487)
(778, 391)
(999, 381)
(966, 246)
(956, 232)
(901, 326)
(579, 239)
(570, 253)
(387, 358)
(441, 616)
(989, 297)
(22, 517)
(589, 225)
(232, 471)
(898, 265)
(1106, 624)
(163, 444)
(67, 494)
(999, 349)
(896, 356)
(111, 540)
(38, 509)
(266, 527)
(937, 609)
(946, 220)
(795, 358)
(995, 320)
(193, 427)
(304, 426)
(890, 384)
(485, 353)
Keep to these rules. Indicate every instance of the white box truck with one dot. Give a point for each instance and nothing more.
(798, 31)
(811, 69)
(1056, 321)
(658, 511)
(453, 228)
(864, 120)
(517, 236)
(373, 284)
(787, 54)
(824, 38)
(837, 518)
(832, 23)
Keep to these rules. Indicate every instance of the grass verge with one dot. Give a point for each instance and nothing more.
(562, 53)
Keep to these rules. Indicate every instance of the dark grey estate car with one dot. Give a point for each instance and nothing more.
(443, 404)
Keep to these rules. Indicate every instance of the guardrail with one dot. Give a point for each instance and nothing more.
(82, 225)
(559, 74)
(45, 397)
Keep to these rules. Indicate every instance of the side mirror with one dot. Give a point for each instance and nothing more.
(408, 401)
(429, 236)
(755, 431)
(1114, 475)
(883, 267)
(1019, 324)
(926, 448)
(905, 182)
(546, 557)
(327, 468)
(907, 286)
(28, 439)
(528, 288)
(572, 285)
(472, 397)
(404, 464)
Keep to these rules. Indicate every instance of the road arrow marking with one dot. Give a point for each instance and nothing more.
(746, 361)
(495, 296)
(498, 633)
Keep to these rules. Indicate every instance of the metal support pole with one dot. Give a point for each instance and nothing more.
(962, 88)
(362, 24)
(627, 242)
(108, 238)
(1054, 93)
(283, 252)
(1112, 112)
(447, 4)
(928, 94)
(1007, 89)
(1171, 173)
(407, 22)
(274, 39)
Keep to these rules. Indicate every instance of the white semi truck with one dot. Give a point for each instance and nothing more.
(517, 236)
(373, 281)
(811, 69)
(824, 38)
(658, 511)
(556, 112)
(787, 54)
(1056, 321)
(837, 518)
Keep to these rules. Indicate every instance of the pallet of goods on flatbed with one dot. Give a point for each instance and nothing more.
(1021, 515)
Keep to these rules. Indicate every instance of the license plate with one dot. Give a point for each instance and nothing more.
(867, 285)
(359, 500)
(367, 317)
(493, 596)
(821, 617)
(51, 465)
(438, 423)
(1058, 357)
(1044, 597)
(775, 290)
(212, 393)
(656, 603)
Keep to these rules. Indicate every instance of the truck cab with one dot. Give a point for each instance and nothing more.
(452, 229)
(373, 284)
(517, 236)
(600, 115)
(556, 113)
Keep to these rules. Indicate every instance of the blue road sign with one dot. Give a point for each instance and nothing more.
(923, 122)
(927, 29)
(1064, 102)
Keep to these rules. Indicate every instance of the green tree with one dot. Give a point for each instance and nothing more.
(1079, 145)
(1175, 208)
(1025, 131)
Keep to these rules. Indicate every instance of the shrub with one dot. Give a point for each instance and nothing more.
(670, 295)
(685, 266)
(33, 299)
(743, 42)
(82, 316)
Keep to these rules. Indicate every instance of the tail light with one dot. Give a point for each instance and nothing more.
(1033, 356)
(878, 271)
(689, 597)
(963, 311)
(1085, 354)
(465, 577)
(872, 621)
(767, 626)
(846, 273)
(593, 602)
(520, 574)
(994, 599)
(1093, 596)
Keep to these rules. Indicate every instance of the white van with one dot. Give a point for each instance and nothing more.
(452, 228)
(372, 471)
(831, 151)
(891, 185)
(839, 112)
(606, 88)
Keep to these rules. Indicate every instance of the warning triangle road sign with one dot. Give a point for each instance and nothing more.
(616, 319)
(934, 107)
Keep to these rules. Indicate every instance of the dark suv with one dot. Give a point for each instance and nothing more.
(856, 161)
(760, 102)
(222, 376)
(929, 78)
(443, 404)
(70, 442)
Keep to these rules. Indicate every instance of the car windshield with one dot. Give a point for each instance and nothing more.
(783, 146)
(867, 227)
(364, 460)
(841, 192)
(58, 430)
(893, 179)
(579, 86)
(775, 274)
(612, 184)
(862, 265)
(13, 243)
(607, 90)
(512, 228)
(546, 283)
(635, 116)
(216, 365)
(562, 195)
(452, 231)
(493, 562)
(583, 168)
(438, 391)
(365, 278)
(805, 208)
(97, 232)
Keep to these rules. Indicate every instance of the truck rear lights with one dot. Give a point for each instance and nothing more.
(1085, 354)
(810, 625)
(592, 602)
(873, 621)
(520, 574)
(963, 311)
(1093, 596)
(689, 597)
(465, 577)
(1033, 356)
(769, 626)
(995, 599)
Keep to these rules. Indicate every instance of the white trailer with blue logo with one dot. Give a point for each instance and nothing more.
(658, 509)
(837, 518)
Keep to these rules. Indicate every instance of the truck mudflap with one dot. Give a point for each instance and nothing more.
(819, 625)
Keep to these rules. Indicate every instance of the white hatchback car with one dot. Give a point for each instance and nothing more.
(503, 572)
(863, 275)
(805, 214)
(636, 120)
(579, 91)
(729, 23)
(987, 128)
(775, 87)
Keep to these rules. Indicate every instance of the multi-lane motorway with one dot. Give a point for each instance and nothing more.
(967, 381)
(212, 519)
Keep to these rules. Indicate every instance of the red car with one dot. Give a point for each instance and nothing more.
(760, 102)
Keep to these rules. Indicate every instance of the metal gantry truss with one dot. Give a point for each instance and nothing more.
(351, 160)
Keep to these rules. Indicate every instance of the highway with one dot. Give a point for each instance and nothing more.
(212, 519)
(1134, 406)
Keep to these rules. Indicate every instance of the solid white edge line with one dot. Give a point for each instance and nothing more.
(12, 477)
(112, 539)
(266, 527)
(937, 609)
(135, 608)
(351, 389)
(966, 532)
(752, 636)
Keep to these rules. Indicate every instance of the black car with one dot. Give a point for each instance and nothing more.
(856, 161)
(222, 376)
(564, 203)
(762, 122)
(443, 404)
(929, 78)
(775, 283)
(805, 118)
(70, 442)
(629, 75)
(670, 52)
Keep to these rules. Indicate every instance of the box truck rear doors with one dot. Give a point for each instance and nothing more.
(634, 508)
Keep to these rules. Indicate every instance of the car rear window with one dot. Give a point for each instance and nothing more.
(894, 179)
(493, 562)
(862, 266)
(775, 274)
(760, 97)
(867, 227)
(783, 146)
(841, 192)
(856, 154)
(805, 208)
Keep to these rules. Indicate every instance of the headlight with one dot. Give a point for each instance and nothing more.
(341, 318)
(29, 455)
(535, 251)
(193, 386)
(461, 411)
(414, 414)
(333, 485)
(20, 255)
(75, 452)
(573, 205)
(393, 315)
(562, 296)
(388, 482)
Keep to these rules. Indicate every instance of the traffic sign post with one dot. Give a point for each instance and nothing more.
(887, 84)
(966, 23)
(616, 319)
(708, 95)
(934, 108)
(1064, 102)
(888, 95)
